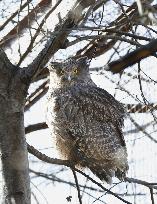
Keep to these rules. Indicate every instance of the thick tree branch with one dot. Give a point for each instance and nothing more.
(136, 56)
(130, 59)
(47, 159)
(53, 45)
(35, 127)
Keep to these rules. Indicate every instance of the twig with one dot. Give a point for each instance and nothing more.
(29, 48)
(53, 178)
(36, 95)
(14, 14)
(144, 183)
(102, 187)
(141, 129)
(77, 185)
(23, 24)
(151, 194)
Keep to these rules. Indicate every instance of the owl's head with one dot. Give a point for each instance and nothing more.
(70, 71)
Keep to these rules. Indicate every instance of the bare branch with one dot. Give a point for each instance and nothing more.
(37, 32)
(142, 130)
(24, 23)
(140, 108)
(114, 37)
(36, 95)
(144, 183)
(14, 14)
(136, 130)
(56, 42)
(53, 178)
(77, 186)
(132, 58)
(47, 159)
(67, 163)
(35, 127)
(152, 196)
(122, 23)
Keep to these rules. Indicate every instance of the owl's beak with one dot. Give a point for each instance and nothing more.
(69, 78)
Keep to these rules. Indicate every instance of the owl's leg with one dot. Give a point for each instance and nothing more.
(120, 174)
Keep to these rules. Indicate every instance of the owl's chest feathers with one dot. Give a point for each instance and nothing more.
(64, 124)
(64, 111)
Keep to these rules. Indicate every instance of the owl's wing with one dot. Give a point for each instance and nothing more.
(101, 106)
(102, 144)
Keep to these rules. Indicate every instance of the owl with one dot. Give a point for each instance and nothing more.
(86, 120)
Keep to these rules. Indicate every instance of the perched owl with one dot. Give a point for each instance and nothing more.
(86, 120)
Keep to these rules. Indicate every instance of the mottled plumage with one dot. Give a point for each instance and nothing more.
(86, 120)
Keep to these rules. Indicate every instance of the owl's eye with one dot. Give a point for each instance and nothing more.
(62, 72)
(75, 71)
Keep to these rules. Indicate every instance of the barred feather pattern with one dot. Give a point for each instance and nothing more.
(87, 123)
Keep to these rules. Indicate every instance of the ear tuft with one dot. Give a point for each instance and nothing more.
(84, 60)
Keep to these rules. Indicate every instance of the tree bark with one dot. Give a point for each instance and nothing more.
(14, 156)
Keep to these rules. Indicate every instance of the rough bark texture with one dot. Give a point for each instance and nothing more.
(14, 158)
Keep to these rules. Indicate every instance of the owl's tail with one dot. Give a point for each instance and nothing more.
(103, 174)
(106, 174)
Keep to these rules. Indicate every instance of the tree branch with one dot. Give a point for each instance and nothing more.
(56, 42)
(152, 197)
(123, 23)
(67, 163)
(36, 95)
(24, 23)
(142, 130)
(47, 159)
(77, 186)
(132, 58)
(144, 183)
(29, 49)
(140, 108)
(14, 14)
(35, 127)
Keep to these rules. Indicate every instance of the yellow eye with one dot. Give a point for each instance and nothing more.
(62, 72)
(75, 71)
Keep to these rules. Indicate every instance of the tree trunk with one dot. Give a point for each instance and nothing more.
(14, 156)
